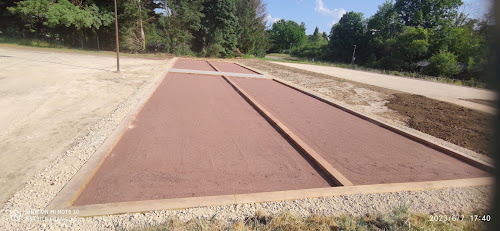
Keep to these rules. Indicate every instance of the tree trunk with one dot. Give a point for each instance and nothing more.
(143, 38)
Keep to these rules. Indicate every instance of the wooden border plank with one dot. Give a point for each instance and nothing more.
(453, 153)
(332, 173)
(327, 168)
(64, 198)
(476, 162)
(74, 187)
(215, 68)
(194, 202)
(249, 68)
(216, 73)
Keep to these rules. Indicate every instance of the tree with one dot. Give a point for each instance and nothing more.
(324, 35)
(7, 22)
(412, 46)
(287, 34)
(251, 16)
(443, 63)
(219, 31)
(313, 50)
(183, 20)
(31, 13)
(143, 37)
(385, 23)
(316, 36)
(61, 19)
(382, 28)
(134, 16)
(349, 31)
(428, 13)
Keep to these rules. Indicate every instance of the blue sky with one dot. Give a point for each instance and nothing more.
(325, 13)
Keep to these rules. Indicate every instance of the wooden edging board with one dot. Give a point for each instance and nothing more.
(216, 73)
(481, 164)
(327, 168)
(332, 173)
(63, 201)
(75, 186)
(196, 202)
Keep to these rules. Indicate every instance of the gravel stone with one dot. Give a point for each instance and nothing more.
(42, 188)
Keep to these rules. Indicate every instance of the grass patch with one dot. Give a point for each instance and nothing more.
(54, 47)
(291, 59)
(282, 57)
(30, 43)
(399, 219)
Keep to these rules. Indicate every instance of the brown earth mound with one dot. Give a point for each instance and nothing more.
(461, 126)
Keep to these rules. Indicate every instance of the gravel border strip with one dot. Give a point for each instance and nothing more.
(39, 191)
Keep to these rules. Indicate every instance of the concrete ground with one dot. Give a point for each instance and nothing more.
(440, 91)
(49, 99)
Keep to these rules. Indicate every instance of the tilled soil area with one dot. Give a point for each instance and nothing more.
(458, 125)
(462, 126)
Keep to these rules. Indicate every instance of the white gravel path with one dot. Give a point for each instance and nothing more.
(441, 91)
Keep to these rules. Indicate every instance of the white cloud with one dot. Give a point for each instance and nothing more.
(321, 8)
(270, 20)
(335, 13)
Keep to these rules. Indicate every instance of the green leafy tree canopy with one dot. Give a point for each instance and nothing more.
(287, 34)
(349, 31)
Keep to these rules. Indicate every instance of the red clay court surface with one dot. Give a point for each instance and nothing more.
(191, 64)
(362, 151)
(231, 67)
(196, 136)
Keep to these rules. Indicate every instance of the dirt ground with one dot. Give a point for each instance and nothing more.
(491, 103)
(462, 126)
(458, 125)
(441, 91)
(49, 99)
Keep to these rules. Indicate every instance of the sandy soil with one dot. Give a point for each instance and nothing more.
(440, 91)
(456, 127)
(49, 99)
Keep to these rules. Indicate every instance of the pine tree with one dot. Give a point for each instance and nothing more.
(219, 32)
(181, 24)
(324, 35)
(316, 36)
(251, 18)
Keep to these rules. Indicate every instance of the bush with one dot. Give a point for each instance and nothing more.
(182, 49)
(213, 50)
(314, 50)
(372, 62)
(444, 64)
